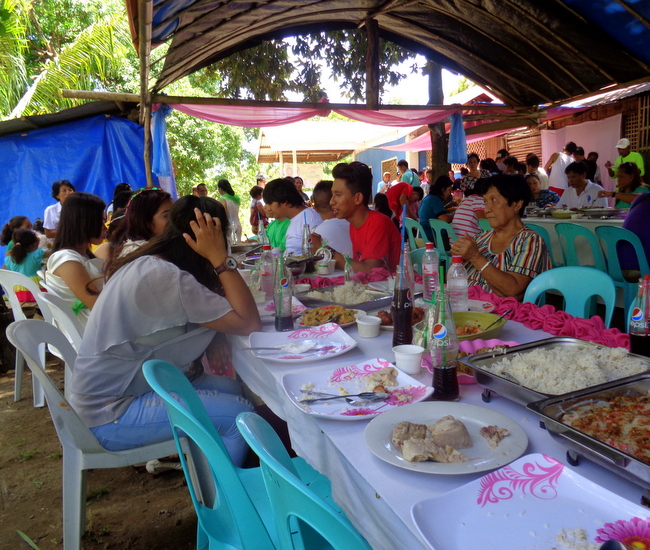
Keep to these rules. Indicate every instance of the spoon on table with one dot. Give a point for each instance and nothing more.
(351, 400)
(508, 312)
(365, 396)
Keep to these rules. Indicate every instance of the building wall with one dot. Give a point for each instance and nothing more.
(374, 157)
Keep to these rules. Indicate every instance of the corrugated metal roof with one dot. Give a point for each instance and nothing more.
(613, 96)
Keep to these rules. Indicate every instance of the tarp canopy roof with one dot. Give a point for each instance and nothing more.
(528, 52)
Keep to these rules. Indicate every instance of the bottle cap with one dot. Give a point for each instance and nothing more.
(266, 247)
(457, 259)
(429, 246)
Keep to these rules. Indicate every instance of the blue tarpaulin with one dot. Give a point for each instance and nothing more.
(95, 154)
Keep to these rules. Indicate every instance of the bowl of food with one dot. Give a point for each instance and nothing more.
(562, 214)
(472, 324)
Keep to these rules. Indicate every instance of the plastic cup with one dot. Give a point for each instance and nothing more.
(246, 275)
(332, 265)
(323, 269)
(408, 358)
(368, 326)
(259, 296)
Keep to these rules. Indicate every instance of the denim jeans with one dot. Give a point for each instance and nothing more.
(146, 420)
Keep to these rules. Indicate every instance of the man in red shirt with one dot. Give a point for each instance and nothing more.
(376, 242)
(398, 195)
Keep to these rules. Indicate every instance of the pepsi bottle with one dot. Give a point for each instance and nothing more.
(640, 320)
(282, 297)
(401, 308)
(443, 347)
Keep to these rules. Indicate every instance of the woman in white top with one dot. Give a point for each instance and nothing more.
(166, 301)
(231, 203)
(60, 191)
(73, 273)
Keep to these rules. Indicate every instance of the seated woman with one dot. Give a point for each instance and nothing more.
(146, 216)
(433, 205)
(73, 272)
(629, 186)
(380, 203)
(166, 301)
(505, 259)
(25, 257)
(541, 197)
(470, 210)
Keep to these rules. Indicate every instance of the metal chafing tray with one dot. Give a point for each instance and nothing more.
(604, 212)
(501, 384)
(382, 299)
(616, 460)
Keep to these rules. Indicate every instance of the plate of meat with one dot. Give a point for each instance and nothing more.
(387, 319)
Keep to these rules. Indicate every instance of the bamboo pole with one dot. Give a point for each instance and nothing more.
(145, 17)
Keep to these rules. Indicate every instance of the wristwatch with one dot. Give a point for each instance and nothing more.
(229, 264)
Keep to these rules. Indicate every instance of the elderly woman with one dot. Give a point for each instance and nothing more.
(629, 185)
(505, 259)
(541, 197)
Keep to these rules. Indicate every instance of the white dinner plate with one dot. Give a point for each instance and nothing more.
(481, 457)
(526, 505)
(267, 309)
(480, 306)
(333, 339)
(357, 314)
(351, 379)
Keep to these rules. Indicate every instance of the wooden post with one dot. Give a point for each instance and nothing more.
(372, 65)
(145, 17)
(439, 146)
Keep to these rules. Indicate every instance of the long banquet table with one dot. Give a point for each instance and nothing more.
(377, 496)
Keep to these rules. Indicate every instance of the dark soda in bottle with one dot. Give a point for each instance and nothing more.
(282, 297)
(443, 346)
(401, 307)
(639, 320)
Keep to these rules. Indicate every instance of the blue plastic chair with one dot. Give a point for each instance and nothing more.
(416, 259)
(239, 515)
(609, 238)
(443, 232)
(567, 234)
(484, 224)
(410, 226)
(579, 286)
(543, 233)
(303, 519)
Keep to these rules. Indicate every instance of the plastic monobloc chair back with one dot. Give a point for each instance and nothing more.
(568, 233)
(81, 450)
(609, 238)
(484, 224)
(232, 520)
(410, 226)
(9, 280)
(578, 285)
(443, 232)
(544, 234)
(416, 259)
(64, 318)
(300, 513)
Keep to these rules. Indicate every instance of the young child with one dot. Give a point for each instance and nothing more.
(25, 257)
(257, 207)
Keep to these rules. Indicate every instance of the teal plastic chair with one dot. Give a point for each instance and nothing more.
(609, 238)
(443, 232)
(410, 226)
(239, 515)
(303, 519)
(543, 233)
(567, 234)
(416, 259)
(579, 286)
(484, 224)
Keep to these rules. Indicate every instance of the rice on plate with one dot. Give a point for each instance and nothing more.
(556, 371)
(349, 294)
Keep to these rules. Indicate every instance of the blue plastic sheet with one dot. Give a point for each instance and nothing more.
(95, 154)
(457, 153)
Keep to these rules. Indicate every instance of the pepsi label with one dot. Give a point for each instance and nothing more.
(284, 282)
(637, 314)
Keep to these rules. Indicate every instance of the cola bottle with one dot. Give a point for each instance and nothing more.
(282, 297)
(401, 307)
(640, 320)
(443, 347)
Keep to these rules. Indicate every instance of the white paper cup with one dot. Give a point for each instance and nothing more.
(259, 296)
(368, 326)
(304, 287)
(408, 358)
(332, 265)
(323, 269)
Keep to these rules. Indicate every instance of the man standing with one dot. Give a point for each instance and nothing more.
(336, 231)
(582, 193)
(399, 195)
(625, 154)
(375, 240)
(284, 201)
(407, 175)
(201, 190)
(384, 184)
(533, 169)
(556, 168)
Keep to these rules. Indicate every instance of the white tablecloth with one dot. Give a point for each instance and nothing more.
(377, 496)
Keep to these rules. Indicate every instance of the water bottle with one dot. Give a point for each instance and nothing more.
(408, 265)
(233, 233)
(401, 307)
(261, 231)
(443, 347)
(430, 277)
(306, 248)
(457, 285)
(640, 321)
(266, 267)
(282, 297)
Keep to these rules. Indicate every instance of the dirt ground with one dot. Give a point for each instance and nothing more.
(126, 508)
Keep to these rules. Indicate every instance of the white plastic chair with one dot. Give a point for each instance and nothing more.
(81, 450)
(64, 318)
(9, 280)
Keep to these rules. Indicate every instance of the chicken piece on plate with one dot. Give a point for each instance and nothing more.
(421, 450)
(407, 430)
(452, 432)
(379, 380)
(493, 435)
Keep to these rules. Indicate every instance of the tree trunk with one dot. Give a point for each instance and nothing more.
(439, 163)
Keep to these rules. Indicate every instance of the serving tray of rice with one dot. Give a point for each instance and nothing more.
(547, 368)
(349, 294)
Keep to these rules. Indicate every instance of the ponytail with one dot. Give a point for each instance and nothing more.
(23, 240)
